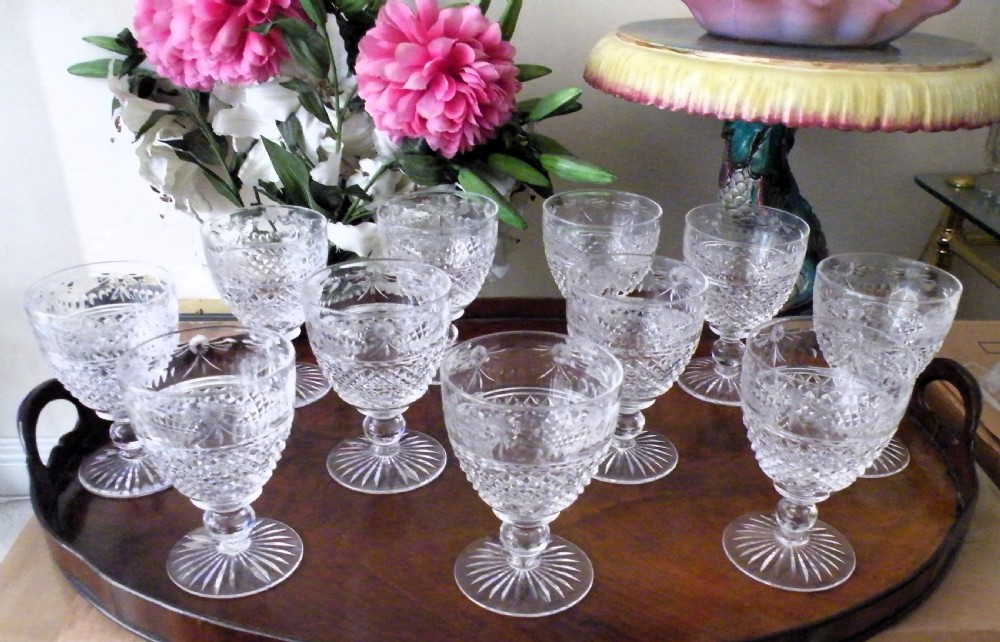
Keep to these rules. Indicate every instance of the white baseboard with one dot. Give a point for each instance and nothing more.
(13, 465)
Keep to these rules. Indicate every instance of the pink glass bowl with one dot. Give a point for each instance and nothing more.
(827, 23)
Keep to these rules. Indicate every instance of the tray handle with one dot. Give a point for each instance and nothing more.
(957, 442)
(90, 432)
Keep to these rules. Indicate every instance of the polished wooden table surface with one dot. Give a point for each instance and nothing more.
(381, 567)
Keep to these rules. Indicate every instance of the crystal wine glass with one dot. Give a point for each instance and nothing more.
(378, 329)
(454, 231)
(530, 416)
(83, 319)
(899, 296)
(989, 182)
(214, 406)
(259, 258)
(818, 401)
(649, 312)
(580, 223)
(752, 262)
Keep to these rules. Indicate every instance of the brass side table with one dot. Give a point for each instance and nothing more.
(950, 238)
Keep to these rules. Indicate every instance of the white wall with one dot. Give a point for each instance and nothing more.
(71, 196)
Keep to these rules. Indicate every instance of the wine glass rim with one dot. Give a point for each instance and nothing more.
(286, 357)
(808, 322)
(145, 268)
(613, 388)
(316, 219)
(653, 209)
(490, 212)
(950, 282)
(798, 223)
(595, 260)
(313, 282)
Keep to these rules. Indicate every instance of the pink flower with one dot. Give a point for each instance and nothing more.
(196, 43)
(444, 75)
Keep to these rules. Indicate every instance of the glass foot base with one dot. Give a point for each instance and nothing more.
(562, 578)
(893, 459)
(649, 457)
(824, 561)
(108, 474)
(196, 565)
(310, 384)
(354, 464)
(701, 381)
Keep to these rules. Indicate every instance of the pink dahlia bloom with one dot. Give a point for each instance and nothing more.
(444, 75)
(196, 43)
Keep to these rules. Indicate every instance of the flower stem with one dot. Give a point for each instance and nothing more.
(206, 131)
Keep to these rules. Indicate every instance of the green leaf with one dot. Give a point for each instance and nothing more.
(547, 145)
(292, 171)
(305, 44)
(530, 72)
(518, 169)
(548, 105)
(484, 6)
(308, 98)
(132, 63)
(292, 135)
(508, 19)
(96, 68)
(202, 150)
(573, 169)
(126, 39)
(221, 186)
(316, 11)
(353, 6)
(154, 117)
(473, 182)
(423, 169)
(108, 43)
(525, 106)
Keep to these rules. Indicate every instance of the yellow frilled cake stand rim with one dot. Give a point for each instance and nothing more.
(918, 83)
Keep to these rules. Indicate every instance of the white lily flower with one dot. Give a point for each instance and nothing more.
(388, 182)
(182, 182)
(362, 239)
(253, 112)
(257, 167)
(358, 135)
(345, 81)
(328, 171)
(384, 145)
(134, 111)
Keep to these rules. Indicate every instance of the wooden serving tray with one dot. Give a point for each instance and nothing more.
(380, 567)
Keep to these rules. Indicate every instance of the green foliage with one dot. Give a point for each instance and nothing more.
(96, 68)
(293, 173)
(518, 169)
(574, 169)
(555, 104)
(473, 181)
(508, 19)
(517, 154)
(530, 72)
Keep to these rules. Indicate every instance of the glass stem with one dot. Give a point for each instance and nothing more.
(124, 439)
(795, 521)
(384, 433)
(524, 543)
(230, 529)
(727, 353)
(629, 425)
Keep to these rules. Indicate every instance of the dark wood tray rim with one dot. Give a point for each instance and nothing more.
(119, 602)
